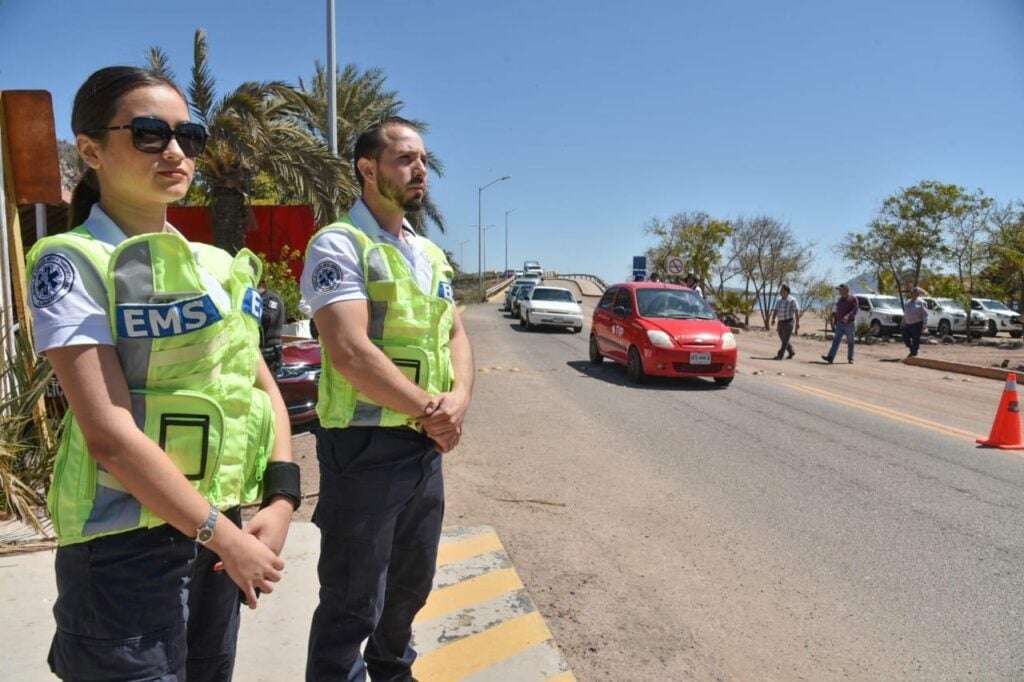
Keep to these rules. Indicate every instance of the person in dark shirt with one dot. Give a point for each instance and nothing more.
(846, 323)
(271, 324)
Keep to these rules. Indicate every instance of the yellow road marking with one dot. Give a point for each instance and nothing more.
(475, 545)
(563, 677)
(470, 592)
(891, 414)
(478, 652)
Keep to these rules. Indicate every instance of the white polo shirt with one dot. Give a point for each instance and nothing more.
(68, 299)
(333, 271)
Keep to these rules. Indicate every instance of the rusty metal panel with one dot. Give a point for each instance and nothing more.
(30, 141)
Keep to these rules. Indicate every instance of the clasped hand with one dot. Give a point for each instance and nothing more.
(442, 418)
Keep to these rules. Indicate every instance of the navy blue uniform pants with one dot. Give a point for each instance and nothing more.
(144, 605)
(379, 513)
(912, 336)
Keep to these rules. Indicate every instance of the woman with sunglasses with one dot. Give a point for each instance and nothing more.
(173, 414)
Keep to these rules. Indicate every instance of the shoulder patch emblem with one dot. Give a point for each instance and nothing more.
(53, 278)
(326, 277)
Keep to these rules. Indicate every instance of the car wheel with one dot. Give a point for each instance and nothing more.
(992, 329)
(1016, 335)
(944, 328)
(876, 328)
(723, 381)
(635, 369)
(595, 353)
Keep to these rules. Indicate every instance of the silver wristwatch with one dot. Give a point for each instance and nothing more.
(205, 532)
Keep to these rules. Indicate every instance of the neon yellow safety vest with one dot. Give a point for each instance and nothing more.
(191, 369)
(412, 327)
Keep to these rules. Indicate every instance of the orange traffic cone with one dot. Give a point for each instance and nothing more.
(1006, 429)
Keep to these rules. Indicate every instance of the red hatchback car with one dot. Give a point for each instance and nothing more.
(661, 330)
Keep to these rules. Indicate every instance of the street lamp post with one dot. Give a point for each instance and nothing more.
(511, 210)
(485, 246)
(480, 232)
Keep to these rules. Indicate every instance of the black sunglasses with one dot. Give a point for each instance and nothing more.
(151, 135)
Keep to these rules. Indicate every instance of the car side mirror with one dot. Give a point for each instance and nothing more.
(579, 300)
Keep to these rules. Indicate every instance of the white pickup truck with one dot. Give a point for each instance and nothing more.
(946, 317)
(1000, 318)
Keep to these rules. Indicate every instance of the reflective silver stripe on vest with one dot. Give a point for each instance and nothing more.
(366, 414)
(133, 283)
(378, 314)
(377, 269)
(114, 508)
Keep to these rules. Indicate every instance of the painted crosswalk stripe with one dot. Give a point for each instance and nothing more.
(480, 623)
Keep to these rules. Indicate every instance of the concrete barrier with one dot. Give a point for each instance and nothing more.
(997, 373)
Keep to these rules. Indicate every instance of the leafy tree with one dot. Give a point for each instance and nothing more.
(362, 99)
(259, 127)
(908, 232)
(696, 237)
(768, 255)
(1003, 276)
(966, 226)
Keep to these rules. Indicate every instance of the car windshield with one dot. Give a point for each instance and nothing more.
(886, 302)
(995, 305)
(523, 291)
(949, 304)
(673, 303)
(553, 295)
(531, 264)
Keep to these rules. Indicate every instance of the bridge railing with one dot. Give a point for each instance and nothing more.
(581, 275)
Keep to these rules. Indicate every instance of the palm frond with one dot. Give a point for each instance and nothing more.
(202, 87)
(159, 63)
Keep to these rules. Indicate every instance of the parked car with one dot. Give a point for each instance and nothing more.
(521, 293)
(661, 330)
(298, 380)
(882, 314)
(533, 267)
(998, 317)
(512, 290)
(946, 316)
(551, 307)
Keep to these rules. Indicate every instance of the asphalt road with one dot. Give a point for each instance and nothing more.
(766, 530)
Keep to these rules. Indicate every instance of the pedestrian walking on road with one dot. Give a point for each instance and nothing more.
(396, 384)
(691, 281)
(154, 340)
(915, 315)
(787, 311)
(846, 324)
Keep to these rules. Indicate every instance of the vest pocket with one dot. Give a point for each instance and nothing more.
(414, 363)
(260, 429)
(189, 427)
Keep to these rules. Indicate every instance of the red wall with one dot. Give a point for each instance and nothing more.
(272, 228)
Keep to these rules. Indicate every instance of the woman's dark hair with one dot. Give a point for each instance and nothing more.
(784, 287)
(370, 143)
(95, 105)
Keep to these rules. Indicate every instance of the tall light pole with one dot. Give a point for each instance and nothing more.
(485, 245)
(511, 210)
(332, 84)
(480, 232)
(462, 254)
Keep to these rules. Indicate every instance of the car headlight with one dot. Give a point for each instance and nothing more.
(728, 341)
(659, 338)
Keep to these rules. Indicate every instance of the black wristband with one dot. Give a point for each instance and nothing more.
(282, 478)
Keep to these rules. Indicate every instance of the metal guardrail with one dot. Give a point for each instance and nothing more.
(498, 287)
(577, 275)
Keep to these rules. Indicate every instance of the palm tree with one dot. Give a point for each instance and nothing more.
(362, 100)
(257, 129)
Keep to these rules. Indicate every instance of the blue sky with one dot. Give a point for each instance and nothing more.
(606, 114)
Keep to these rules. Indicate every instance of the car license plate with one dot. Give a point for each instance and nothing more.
(700, 358)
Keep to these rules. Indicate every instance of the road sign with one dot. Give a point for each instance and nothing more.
(639, 268)
(675, 266)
